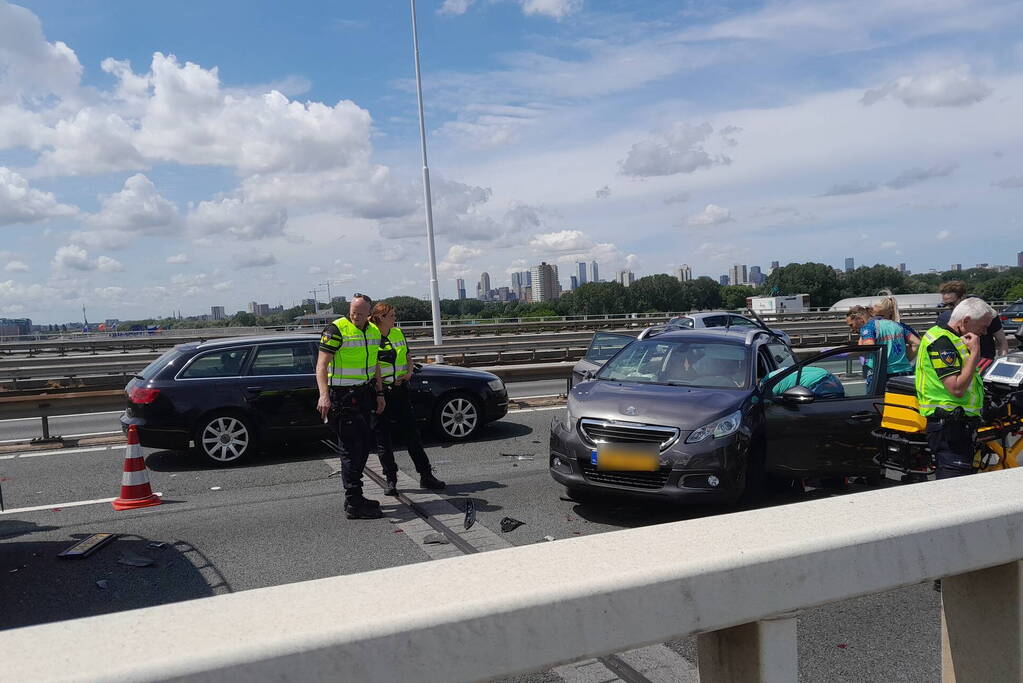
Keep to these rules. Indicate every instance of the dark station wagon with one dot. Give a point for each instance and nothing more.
(227, 397)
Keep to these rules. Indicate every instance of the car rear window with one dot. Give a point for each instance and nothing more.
(154, 368)
(226, 363)
(1015, 309)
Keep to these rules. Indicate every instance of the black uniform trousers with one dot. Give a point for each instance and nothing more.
(399, 420)
(951, 438)
(351, 416)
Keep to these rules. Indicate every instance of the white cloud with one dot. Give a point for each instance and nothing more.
(680, 150)
(558, 9)
(20, 203)
(460, 254)
(944, 234)
(677, 198)
(947, 88)
(314, 270)
(455, 6)
(913, 176)
(1009, 183)
(238, 218)
(889, 245)
(178, 258)
(31, 65)
(712, 214)
(561, 241)
(137, 209)
(109, 265)
(71, 257)
(256, 260)
(603, 193)
(16, 267)
(113, 294)
(854, 187)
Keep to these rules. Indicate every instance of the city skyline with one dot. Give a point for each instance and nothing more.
(152, 155)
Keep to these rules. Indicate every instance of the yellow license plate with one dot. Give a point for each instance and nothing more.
(630, 458)
(1017, 320)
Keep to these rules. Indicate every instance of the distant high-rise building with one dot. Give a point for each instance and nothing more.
(518, 285)
(956, 267)
(483, 287)
(902, 268)
(251, 307)
(10, 327)
(308, 302)
(723, 280)
(544, 279)
(738, 275)
(982, 265)
(684, 273)
(262, 310)
(217, 312)
(594, 274)
(625, 277)
(460, 287)
(581, 269)
(573, 282)
(850, 264)
(774, 266)
(756, 278)
(1019, 260)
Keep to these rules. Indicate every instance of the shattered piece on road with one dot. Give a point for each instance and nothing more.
(548, 538)
(87, 546)
(519, 456)
(510, 524)
(214, 488)
(157, 544)
(435, 539)
(103, 583)
(470, 513)
(135, 560)
(335, 473)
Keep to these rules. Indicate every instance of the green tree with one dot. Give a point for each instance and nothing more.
(409, 308)
(656, 293)
(243, 320)
(869, 280)
(818, 280)
(598, 298)
(734, 296)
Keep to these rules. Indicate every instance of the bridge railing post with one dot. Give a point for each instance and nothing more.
(983, 613)
(759, 652)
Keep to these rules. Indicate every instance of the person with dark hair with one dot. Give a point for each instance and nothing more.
(350, 386)
(398, 418)
(993, 342)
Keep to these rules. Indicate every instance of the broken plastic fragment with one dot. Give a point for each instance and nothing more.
(103, 583)
(548, 538)
(510, 524)
(157, 544)
(214, 488)
(435, 539)
(470, 514)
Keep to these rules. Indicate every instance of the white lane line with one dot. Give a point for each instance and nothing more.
(533, 410)
(55, 417)
(62, 451)
(77, 503)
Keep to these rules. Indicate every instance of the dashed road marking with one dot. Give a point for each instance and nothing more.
(60, 451)
(51, 506)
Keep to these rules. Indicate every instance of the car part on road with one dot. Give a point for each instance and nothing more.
(470, 514)
(435, 539)
(224, 438)
(510, 524)
(458, 417)
(87, 546)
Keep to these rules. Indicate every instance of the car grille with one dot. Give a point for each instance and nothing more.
(637, 480)
(602, 431)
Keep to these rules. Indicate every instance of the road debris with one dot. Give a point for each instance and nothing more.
(87, 546)
(470, 513)
(519, 456)
(510, 524)
(135, 560)
(214, 488)
(103, 584)
(157, 544)
(548, 538)
(335, 473)
(435, 539)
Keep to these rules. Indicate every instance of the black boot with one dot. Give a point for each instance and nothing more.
(361, 508)
(391, 487)
(428, 481)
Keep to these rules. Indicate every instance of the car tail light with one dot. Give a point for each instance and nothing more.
(142, 395)
(1002, 316)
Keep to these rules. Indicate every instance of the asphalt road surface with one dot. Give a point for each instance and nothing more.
(93, 424)
(278, 519)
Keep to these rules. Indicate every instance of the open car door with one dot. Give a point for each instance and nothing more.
(820, 413)
(602, 347)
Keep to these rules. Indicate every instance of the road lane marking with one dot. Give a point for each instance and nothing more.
(77, 503)
(58, 417)
(61, 451)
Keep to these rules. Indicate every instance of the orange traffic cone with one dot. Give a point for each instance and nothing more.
(135, 489)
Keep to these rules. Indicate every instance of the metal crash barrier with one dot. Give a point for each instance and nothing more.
(736, 580)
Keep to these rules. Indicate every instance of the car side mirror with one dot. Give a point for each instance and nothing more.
(798, 394)
(588, 375)
(417, 367)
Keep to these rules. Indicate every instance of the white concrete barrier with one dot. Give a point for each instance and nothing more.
(734, 578)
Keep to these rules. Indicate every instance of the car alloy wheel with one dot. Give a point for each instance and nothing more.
(459, 417)
(225, 439)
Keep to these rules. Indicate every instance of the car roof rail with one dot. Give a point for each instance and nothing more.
(652, 331)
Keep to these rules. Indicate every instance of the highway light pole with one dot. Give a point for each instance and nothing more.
(434, 291)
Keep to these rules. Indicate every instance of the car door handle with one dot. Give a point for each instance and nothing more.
(865, 416)
(254, 390)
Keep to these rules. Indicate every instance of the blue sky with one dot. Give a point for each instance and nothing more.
(156, 158)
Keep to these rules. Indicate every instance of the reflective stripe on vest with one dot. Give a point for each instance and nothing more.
(395, 340)
(930, 390)
(355, 361)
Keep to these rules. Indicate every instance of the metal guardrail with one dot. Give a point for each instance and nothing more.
(738, 586)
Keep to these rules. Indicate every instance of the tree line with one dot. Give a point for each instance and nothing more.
(656, 293)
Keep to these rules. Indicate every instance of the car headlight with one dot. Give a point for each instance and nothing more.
(496, 384)
(717, 429)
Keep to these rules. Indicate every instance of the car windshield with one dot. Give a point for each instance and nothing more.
(712, 364)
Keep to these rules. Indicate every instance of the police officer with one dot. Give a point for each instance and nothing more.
(348, 378)
(949, 389)
(398, 417)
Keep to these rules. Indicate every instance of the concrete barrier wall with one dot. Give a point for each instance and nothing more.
(525, 608)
